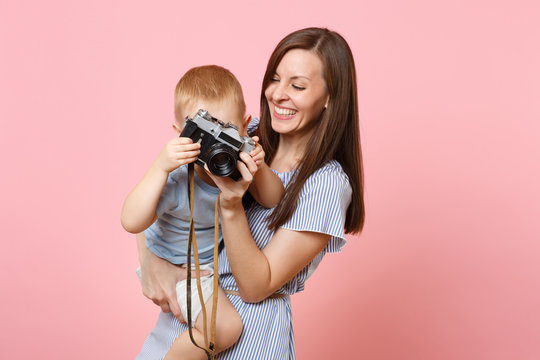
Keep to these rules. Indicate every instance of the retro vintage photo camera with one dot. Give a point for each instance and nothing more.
(220, 143)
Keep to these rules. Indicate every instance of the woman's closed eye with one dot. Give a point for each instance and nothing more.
(298, 87)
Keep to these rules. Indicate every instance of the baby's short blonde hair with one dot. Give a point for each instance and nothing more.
(207, 83)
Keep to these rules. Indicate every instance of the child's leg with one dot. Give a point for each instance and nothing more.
(228, 323)
(228, 330)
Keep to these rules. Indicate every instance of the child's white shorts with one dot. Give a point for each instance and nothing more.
(207, 285)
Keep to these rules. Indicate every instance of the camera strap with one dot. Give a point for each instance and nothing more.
(192, 242)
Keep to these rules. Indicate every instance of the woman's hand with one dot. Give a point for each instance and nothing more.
(159, 278)
(232, 191)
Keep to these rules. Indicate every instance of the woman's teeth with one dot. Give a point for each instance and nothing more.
(286, 112)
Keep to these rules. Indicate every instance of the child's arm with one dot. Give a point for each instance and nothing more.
(139, 210)
(266, 188)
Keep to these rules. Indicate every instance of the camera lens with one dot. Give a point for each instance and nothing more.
(221, 160)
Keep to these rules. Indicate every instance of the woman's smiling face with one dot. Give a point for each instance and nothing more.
(297, 94)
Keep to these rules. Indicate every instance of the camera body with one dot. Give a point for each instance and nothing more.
(220, 143)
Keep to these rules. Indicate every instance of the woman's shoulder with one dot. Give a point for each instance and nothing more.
(330, 170)
(332, 167)
(323, 202)
(253, 125)
(330, 177)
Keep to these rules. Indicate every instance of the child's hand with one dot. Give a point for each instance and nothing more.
(257, 154)
(177, 152)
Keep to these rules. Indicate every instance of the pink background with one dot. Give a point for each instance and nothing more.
(448, 265)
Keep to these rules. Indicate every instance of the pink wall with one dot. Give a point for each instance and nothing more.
(448, 265)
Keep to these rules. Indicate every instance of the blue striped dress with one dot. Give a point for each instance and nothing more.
(268, 331)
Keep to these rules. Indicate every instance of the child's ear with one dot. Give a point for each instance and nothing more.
(177, 127)
(245, 121)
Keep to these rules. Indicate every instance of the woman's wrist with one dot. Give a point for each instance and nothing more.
(146, 257)
(230, 208)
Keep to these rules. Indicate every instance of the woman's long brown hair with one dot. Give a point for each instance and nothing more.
(337, 134)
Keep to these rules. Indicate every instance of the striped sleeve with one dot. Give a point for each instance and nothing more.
(322, 205)
(253, 125)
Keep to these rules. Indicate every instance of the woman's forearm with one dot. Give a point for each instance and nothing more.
(248, 263)
(266, 188)
(141, 247)
(259, 273)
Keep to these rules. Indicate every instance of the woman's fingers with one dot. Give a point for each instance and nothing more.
(247, 176)
(164, 307)
(203, 273)
(169, 303)
(249, 162)
(175, 309)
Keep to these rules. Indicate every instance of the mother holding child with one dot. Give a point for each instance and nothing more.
(309, 131)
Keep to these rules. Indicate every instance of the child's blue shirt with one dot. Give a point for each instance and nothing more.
(167, 237)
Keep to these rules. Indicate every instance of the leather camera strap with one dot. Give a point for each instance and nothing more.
(192, 241)
(216, 276)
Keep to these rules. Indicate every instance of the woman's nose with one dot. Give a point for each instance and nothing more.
(280, 93)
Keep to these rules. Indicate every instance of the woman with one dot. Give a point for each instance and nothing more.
(309, 130)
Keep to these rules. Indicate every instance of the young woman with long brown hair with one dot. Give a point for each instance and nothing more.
(310, 133)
